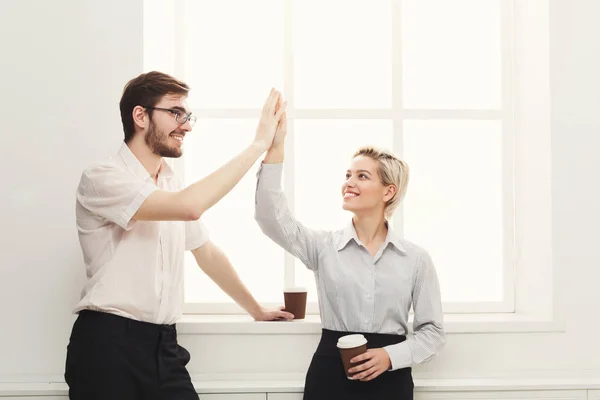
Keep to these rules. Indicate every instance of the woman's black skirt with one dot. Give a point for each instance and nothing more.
(326, 379)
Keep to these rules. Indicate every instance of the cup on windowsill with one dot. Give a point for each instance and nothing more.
(351, 346)
(295, 301)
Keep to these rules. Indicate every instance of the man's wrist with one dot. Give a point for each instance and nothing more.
(256, 312)
(259, 146)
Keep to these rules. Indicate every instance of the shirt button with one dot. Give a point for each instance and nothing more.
(369, 297)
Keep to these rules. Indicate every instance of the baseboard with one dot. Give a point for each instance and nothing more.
(294, 384)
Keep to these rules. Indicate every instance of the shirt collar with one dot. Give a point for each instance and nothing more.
(132, 162)
(349, 233)
(394, 240)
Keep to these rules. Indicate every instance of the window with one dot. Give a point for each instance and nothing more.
(431, 79)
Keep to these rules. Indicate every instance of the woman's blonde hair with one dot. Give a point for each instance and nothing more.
(392, 171)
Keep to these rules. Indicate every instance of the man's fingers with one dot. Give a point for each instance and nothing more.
(268, 101)
(287, 315)
(272, 101)
(280, 314)
(268, 98)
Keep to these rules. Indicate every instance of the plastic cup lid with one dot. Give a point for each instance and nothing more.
(351, 341)
(296, 289)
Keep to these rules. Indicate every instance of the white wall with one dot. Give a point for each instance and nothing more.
(63, 66)
(62, 72)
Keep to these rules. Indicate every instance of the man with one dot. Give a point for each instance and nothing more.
(135, 219)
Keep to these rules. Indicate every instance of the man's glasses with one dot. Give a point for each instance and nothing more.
(180, 116)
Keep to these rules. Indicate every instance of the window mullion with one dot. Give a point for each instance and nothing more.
(397, 101)
(289, 162)
(508, 153)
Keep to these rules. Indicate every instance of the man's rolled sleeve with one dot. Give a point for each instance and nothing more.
(196, 234)
(113, 193)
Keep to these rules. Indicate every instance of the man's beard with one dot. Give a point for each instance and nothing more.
(156, 141)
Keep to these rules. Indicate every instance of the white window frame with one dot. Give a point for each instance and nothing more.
(524, 256)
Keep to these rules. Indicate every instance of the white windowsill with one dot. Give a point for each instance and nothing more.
(191, 324)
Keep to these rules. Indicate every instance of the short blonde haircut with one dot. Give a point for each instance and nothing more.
(392, 171)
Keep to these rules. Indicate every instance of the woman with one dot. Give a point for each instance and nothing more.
(367, 278)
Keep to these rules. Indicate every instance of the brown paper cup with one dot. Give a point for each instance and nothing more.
(295, 302)
(351, 346)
